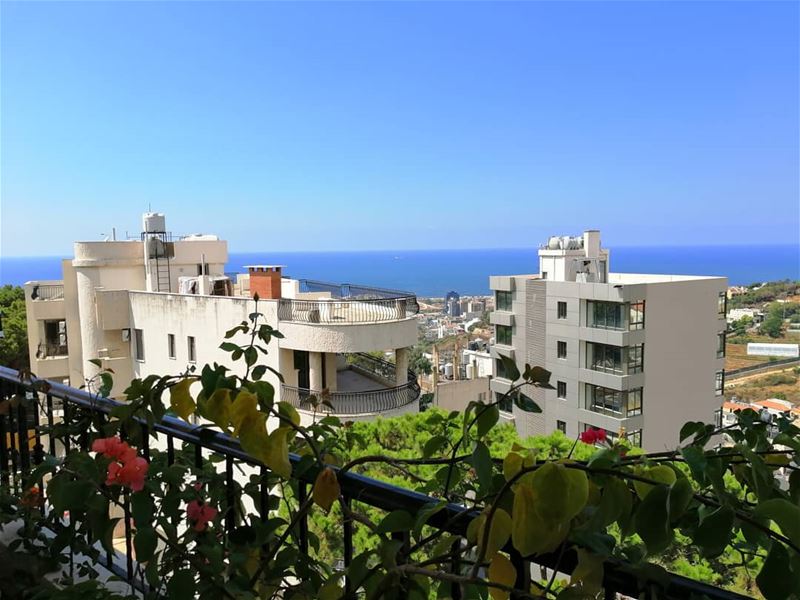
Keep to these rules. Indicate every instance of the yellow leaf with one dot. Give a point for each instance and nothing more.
(276, 456)
(180, 400)
(530, 532)
(474, 527)
(218, 408)
(561, 492)
(588, 573)
(512, 464)
(253, 435)
(660, 473)
(288, 411)
(326, 488)
(330, 591)
(503, 572)
(498, 534)
(245, 405)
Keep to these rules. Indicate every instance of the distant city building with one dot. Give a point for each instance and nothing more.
(735, 314)
(160, 303)
(779, 350)
(452, 304)
(636, 355)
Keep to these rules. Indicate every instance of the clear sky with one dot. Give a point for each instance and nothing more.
(341, 126)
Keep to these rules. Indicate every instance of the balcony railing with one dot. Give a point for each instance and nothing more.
(47, 292)
(17, 460)
(360, 402)
(347, 303)
(50, 350)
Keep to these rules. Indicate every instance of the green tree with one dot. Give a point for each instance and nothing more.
(14, 346)
(418, 362)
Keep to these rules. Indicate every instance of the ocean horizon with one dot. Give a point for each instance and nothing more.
(436, 272)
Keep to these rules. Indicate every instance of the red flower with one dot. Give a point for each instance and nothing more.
(32, 498)
(125, 467)
(200, 514)
(592, 436)
(114, 448)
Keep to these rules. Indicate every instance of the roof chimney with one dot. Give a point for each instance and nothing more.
(265, 280)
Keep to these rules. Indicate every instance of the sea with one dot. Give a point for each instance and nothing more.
(433, 273)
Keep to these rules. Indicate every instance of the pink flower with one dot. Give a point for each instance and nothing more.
(133, 472)
(200, 514)
(125, 467)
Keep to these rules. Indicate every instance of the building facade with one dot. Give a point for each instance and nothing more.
(160, 304)
(636, 355)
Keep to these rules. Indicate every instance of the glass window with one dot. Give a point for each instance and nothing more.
(634, 438)
(192, 348)
(55, 339)
(635, 358)
(505, 404)
(500, 369)
(604, 358)
(634, 404)
(604, 315)
(719, 383)
(603, 400)
(503, 300)
(722, 304)
(544, 274)
(138, 341)
(561, 388)
(171, 345)
(562, 349)
(561, 426)
(721, 336)
(562, 310)
(503, 334)
(636, 315)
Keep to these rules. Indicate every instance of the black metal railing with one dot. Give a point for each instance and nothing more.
(381, 399)
(347, 303)
(51, 350)
(47, 292)
(23, 445)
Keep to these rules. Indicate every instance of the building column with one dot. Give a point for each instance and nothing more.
(401, 365)
(330, 370)
(315, 371)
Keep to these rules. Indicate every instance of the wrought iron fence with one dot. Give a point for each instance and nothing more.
(23, 445)
(347, 303)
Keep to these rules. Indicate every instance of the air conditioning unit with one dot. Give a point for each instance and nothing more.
(126, 335)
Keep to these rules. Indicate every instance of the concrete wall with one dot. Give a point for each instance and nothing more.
(364, 337)
(455, 395)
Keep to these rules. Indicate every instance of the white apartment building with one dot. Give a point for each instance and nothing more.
(636, 355)
(160, 303)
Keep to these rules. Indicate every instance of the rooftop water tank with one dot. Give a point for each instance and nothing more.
(153, 222)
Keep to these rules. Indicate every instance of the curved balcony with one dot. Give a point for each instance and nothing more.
(329, 303)
(365, 387)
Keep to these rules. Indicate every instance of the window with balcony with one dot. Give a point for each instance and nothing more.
(634, 438)
(191, 348)
(721, 339)
(561, 349)
(503, 300)
(562, 310)
(503, 334)
(55, 339)
(138, 344)
(636, 315)
(171, 345)
(719, 383)
(605, 315)
(561, 426)
(604, 400)
(604, 358)
(722, 304)
(561, 389)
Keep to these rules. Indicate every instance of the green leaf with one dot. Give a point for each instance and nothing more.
(525, 403)
(714, 532)
(250, 356)
(652, 520)
(75, 495)
(96, 362)
(397, 520)
(487, 418)
(680, 495)
(775, 579)
(537, 375)
(512, 372)
(229, 346)
(258, 372)
(512, 464)
(426, 513)
(785, 514)
(181, 586)
(433, 445)
(141, 508)
(107, 384)
(561, 492)
(218, 408)
(691, 428)
(482, 462)
(145, 542)
(180, 400)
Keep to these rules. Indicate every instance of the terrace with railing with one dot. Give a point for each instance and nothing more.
(25, 444)
(367, 386)
(346, 303)
(47, 292)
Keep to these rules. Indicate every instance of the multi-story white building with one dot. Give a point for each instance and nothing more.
(159, 304)
(636, 355)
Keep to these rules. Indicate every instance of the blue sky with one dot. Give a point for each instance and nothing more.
(331, 126)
